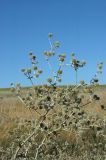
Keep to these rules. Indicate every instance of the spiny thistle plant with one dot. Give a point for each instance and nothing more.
(61, 57)
(33, 72)
(95, 80)
(76, 64)
(60, 113)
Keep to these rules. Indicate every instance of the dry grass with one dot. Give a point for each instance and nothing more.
(11, 109)
(95, 107)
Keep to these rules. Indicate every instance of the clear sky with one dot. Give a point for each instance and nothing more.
(79, 25)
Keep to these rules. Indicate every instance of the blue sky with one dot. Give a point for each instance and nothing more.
(79, 25)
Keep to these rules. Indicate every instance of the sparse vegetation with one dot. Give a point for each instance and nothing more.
(60, 128)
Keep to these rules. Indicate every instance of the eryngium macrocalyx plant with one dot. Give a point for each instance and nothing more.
(65, 129)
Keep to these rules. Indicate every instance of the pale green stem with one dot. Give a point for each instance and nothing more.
(76, 76)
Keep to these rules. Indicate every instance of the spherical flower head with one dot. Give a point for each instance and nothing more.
(35, 67)
(33, 57)
(30, 54)
(72, 54)
(50, 35)
(59, 79)
(48, 54)
(74, 61)
(99, 68)
(82, 82)
(52, 53)
(29, 94)
(49, 80)
(45, 53)
(18, 85)
(88, 90)
(57, 44)
(28, 70)
(83, 62)
(96, 97)
(11, 84)
(40, 71)
(100, 65)
(62, 57)
(36, 75)
(22, 70)
(59, 72)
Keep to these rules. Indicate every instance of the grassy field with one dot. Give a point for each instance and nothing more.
(12, 110)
